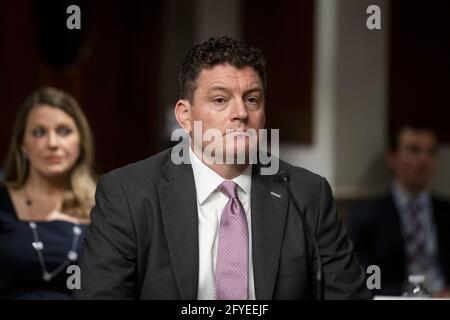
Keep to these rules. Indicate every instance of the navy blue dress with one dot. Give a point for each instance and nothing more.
(20, 269)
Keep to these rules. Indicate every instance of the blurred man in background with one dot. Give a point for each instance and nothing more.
(407, 230)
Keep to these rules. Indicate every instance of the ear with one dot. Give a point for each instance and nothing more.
(23, 150)
(183, 114)
(390, 158)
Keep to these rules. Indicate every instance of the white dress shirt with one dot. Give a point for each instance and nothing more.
(210, 204)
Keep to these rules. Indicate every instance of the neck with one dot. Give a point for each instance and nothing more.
(228, 171)
(37, 184)
(411, 189)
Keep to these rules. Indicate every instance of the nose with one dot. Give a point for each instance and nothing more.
(240, 111)
(52, 141)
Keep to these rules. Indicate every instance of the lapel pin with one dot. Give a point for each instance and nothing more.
(275, 194)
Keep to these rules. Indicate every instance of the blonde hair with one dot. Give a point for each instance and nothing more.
(79, 195)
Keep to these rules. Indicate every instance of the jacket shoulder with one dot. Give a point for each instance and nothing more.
(305, 184)
(441, 207)
(441, 200)
(306, 176)
(143, 172)
(372, 210)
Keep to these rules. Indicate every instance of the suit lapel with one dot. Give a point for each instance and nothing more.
(269, 204)
(180, 220)
(393, 230)
(441, 221)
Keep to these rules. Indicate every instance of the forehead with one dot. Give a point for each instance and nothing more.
(47, 115)
(228, 76)
(414, 136)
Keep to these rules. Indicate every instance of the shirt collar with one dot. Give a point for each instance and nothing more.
(207, 180)
(402, 197)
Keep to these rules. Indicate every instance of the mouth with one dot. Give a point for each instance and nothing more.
(236, 132)
(53, 159)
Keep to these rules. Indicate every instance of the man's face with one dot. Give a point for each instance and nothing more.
(415, 159)
(228, 98)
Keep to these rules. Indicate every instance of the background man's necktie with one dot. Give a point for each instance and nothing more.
(231, 277)
(415, 236)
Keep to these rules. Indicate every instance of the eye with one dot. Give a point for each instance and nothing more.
(253, 100)
(63, 131)
(38, 132)
(219, 100)
(432, 151)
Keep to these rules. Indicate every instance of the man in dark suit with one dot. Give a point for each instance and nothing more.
(217, 230)
(406, 231)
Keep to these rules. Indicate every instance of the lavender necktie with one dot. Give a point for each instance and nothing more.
(231, 277)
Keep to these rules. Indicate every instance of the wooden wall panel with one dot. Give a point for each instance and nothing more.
(284, 31)
(420, 65)
(115, 77)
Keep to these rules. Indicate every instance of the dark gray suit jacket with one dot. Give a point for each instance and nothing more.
(143, 239)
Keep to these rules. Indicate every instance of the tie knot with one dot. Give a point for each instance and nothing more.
(229, 189)
(415, 205)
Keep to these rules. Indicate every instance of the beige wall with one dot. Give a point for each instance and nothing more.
(350, 103)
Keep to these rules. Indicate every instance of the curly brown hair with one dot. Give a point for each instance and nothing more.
(215, 51)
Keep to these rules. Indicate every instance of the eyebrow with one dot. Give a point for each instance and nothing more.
(246, 92)
(45, 126)
(251, 90)
(218, 88)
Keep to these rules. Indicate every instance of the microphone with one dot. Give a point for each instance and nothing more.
(283, 177)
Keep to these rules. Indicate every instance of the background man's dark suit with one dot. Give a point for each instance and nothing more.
(143, 240)
(375, 228)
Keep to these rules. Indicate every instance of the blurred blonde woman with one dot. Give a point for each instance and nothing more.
(46, 197)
